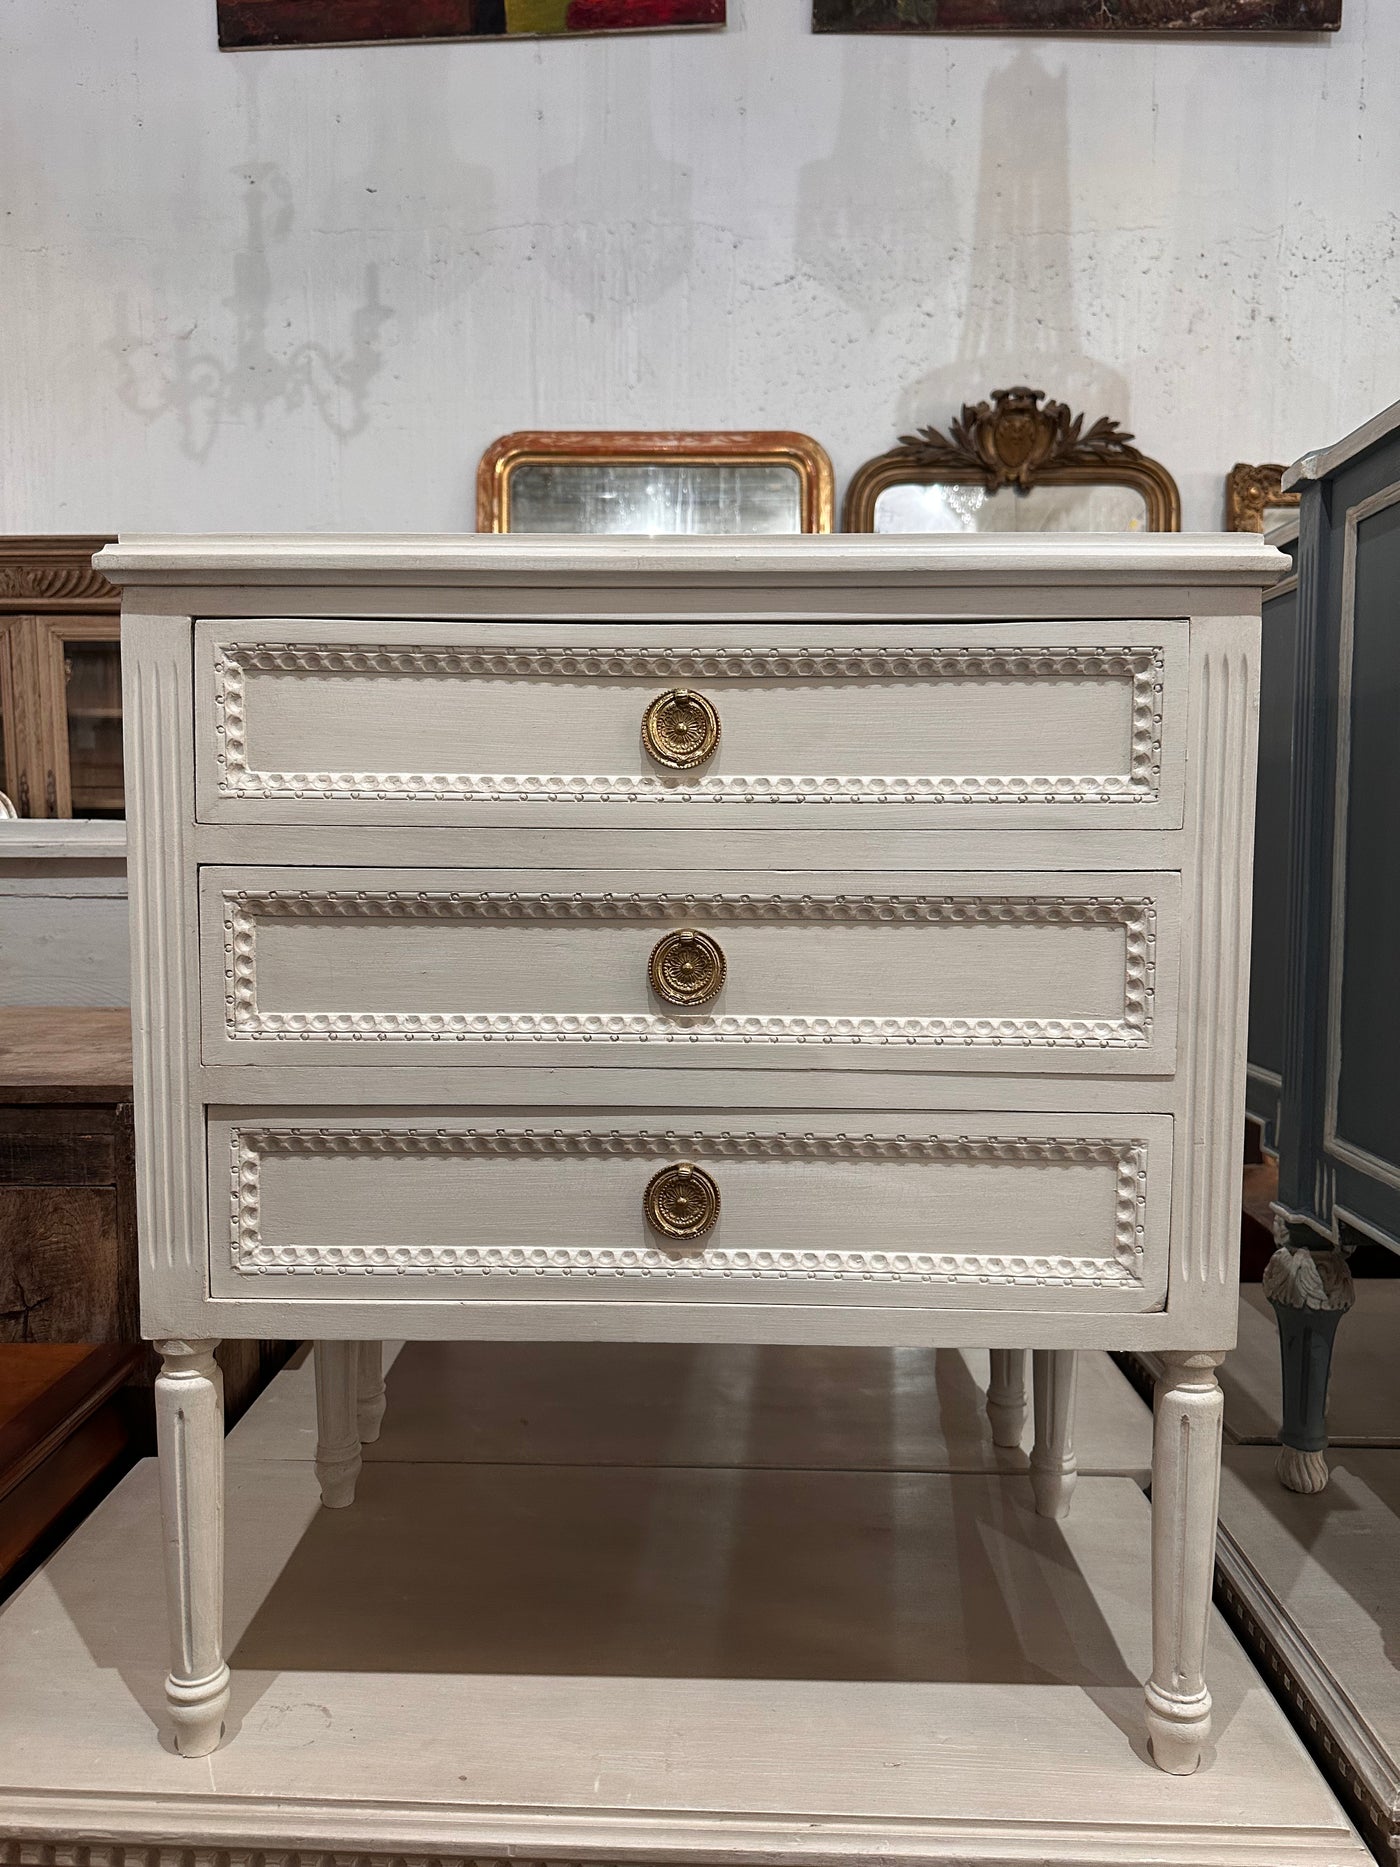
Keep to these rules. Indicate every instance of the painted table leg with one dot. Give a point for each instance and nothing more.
(337, 1431)
(1185, 1500)
(190, 1439)
(1310, 1290)
(1006, 1396)
(369, 1400)
(1053, 1464)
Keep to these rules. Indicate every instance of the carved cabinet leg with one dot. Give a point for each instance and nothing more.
(1006, 1396)
(190, 1437)
(1310, 1290)
(1185, 1499)
(1053, 1465)
(337, 1430)
(369, 1393)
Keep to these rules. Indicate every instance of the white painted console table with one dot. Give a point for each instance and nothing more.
(812, 941)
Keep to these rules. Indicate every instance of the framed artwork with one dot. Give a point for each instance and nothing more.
(650, 484)
(1076, 15)
(247, 23)
(1015, 464)
(1255, 500)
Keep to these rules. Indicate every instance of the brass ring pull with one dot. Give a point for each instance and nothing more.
(680, 729)
(681, 1202)
(686, 968)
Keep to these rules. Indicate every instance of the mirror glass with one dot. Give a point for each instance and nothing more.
(1279, 515)
(651, 498)
(962, 506)
(93, 702)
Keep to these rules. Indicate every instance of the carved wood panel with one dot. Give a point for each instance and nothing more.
(804, 1216)
(300, 730)
(332, 961)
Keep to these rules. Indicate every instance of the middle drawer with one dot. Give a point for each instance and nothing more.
(1021, 972)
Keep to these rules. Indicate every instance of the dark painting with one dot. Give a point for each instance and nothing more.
(1076, 15)
(245, 23)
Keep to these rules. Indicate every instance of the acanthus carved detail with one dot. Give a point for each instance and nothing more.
(1250, 492)
(53, 573)
(1016, 436)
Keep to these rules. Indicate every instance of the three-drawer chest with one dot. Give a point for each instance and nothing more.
(829, 941)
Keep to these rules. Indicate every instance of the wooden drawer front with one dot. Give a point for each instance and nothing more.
(431, 722)
(975, 1212)
(1007, 972)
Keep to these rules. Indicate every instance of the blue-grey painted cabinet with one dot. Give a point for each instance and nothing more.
(1338, 1109)
(1269, 947)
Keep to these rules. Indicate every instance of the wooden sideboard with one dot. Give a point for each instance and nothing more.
(67, 1178)
(60, 680)
(69, 1331)
(834, 941)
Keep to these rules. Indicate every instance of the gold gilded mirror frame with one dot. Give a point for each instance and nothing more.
(1253, 492)
(1017, 440)
(610, 448)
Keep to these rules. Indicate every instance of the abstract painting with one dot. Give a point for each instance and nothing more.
(244, 23)
(1076, 15)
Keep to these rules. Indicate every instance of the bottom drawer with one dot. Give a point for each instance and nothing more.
(969, 1210)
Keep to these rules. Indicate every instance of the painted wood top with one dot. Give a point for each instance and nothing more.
(1211, 558)
(1324, 460)
(65, 1048)
(63, 839)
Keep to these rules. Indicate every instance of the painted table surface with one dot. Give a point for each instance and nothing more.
(643, 1660)
(1312, 1580)
(701, 1405)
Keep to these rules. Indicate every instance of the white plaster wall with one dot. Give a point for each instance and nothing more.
(306, 288)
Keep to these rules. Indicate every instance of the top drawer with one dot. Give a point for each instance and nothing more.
(626, 723)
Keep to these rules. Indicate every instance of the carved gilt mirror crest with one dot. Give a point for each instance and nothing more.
(1017, 463)
(1255, 500)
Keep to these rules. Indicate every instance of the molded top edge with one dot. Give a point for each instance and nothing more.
(456, 559)
(1324, 460)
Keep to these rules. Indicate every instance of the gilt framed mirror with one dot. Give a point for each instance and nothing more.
(654, 483)
(1255, 500)
(1018, 463)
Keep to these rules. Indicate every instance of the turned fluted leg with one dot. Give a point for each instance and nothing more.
(1006, 1396)
(190, 1440)
(1310, 1289)
(1053, 1465)
(1185, 1499)
(337, 1430)
(369, 1402)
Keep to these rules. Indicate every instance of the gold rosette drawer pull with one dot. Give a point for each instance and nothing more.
(680, 729)
(681, 1202)
(686, 968)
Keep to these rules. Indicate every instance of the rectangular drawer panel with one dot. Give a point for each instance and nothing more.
(1056, 721)
(1059, 972)
(971, 1210)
